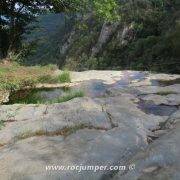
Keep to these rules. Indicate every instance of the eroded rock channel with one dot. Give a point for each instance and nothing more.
(122, 119)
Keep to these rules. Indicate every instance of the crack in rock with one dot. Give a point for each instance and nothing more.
(109, 116)
(65, 132)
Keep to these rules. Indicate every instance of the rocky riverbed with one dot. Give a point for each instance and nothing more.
(125, 118)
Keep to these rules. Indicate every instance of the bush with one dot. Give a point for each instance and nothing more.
(15, 57)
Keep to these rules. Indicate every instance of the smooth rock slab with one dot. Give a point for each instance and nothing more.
(106, 128)
(31, 120)
(173, 89)
(27, 159)
(159, 161)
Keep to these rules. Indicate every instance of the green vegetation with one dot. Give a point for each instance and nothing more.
(34, 99)
(47, 79)
(151, 42)
(63, 132)
(69, 96)
(34, 96)
(1, 124)
(64, 77)
(15, 77)
(96, 34)
(15, 15)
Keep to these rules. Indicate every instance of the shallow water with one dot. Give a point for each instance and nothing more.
(29, 96)
(159, 110)
(156, 82)
(128, 78)
(92, 88)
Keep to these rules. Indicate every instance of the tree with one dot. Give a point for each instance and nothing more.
(104, 9)
(15, 15)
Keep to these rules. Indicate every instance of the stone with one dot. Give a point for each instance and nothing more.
(159, 161)
(169, 99)
(107, 127)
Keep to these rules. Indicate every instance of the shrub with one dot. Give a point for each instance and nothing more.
(15, 57)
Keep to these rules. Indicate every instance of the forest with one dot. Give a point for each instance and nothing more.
(92, 34)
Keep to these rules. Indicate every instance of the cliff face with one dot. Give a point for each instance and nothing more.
(142, 40)
(125, 46)
(85, 48)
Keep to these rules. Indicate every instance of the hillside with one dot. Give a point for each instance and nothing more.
(146, 38)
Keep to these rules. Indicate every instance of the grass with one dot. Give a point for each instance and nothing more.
(63, 132)
(1, 124)
(64, 77)
(35, 98)
(47, 79)
(15, 77)
(69, 96)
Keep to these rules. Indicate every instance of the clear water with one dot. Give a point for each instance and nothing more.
(159, 110)
(129, 77)
(34, 96)
(156, 82)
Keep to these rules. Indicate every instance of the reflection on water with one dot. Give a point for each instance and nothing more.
(94, 88)
(128, 78)
(159, 110)
(34, 95)
(156, 82)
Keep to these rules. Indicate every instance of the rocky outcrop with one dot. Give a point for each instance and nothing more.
(125, 119)
(108, 29)
(159, 161)
(124, 34)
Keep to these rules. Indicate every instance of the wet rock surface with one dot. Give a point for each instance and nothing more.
(123, 119)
